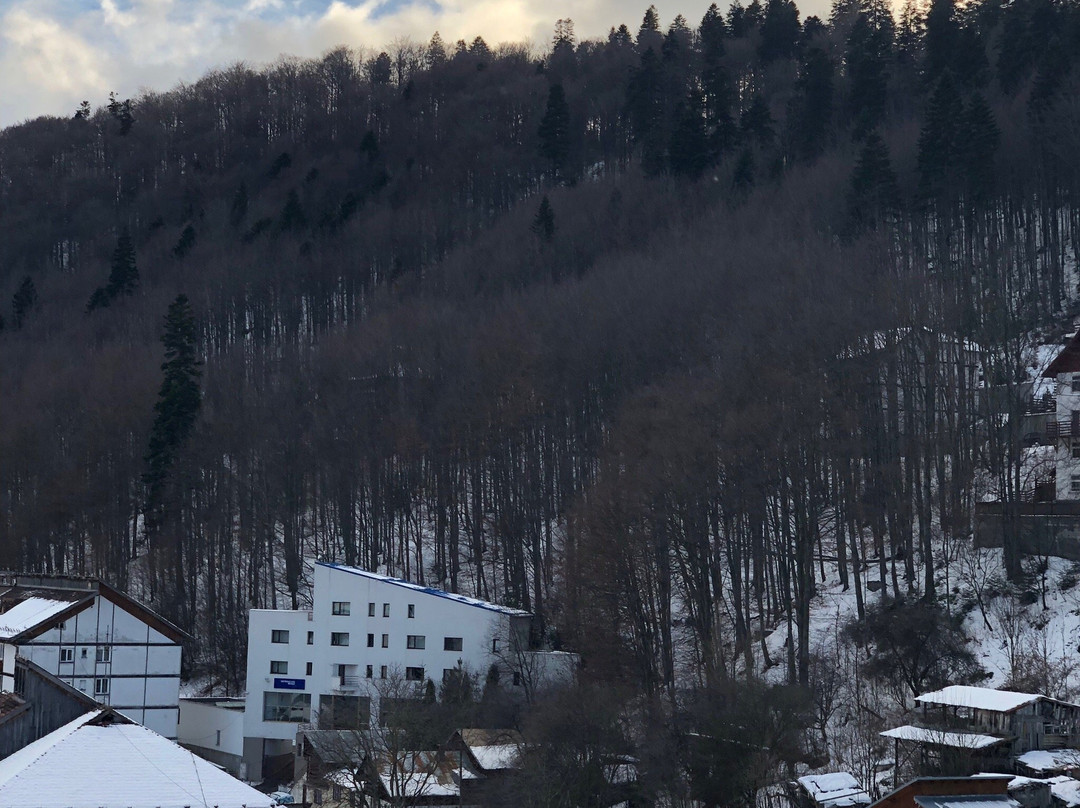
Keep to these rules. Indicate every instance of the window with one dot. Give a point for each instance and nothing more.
(371, 610)
(311, 638)
(83, 654)
(339, 638)
(382, 672)
(67, 654)
(517, 678)
(414, 674)
(307, 670)
(448, 674)
(338, 793)
(217, 741)
(1076, 383)
(1076, 447)
(318, 797)
(385, 640)
(104, 653)
(415, 642)
(1074, 484)
(370, 640)
(451, 643)
(495, 645)
(412, 610)
(279, 635)
(386, 610)
(101, 687)
(341, 607)
(278, 666)
(368, 672)
(292, 707)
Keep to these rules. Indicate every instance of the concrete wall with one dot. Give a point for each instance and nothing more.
(214, 729)
(1046, 528)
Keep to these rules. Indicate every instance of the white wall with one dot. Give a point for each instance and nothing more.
(1065, 464)
(202, 721)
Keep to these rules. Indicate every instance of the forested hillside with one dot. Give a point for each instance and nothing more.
(639, 334)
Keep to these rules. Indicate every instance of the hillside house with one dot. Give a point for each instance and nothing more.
(1063, 431)
(832, 790)
(97, 640)
(367, 635)
(989, 791)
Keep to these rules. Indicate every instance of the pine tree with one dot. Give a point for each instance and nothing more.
(874, 190)
(645, 109)
(756, 123)
(543, 225)
(942, 38)
(238, 209)
(779, 30)
(98, 300)
(939, 140)
(292, 215)
(123, 274)
(554, 130)
(812, 104)
(436, 51)
(689, 152)
(869, 53)
(177, 406)
(185, 242)
(717, 92)
(122, 112)
(737, 24)
(979, 138)
(23, 302)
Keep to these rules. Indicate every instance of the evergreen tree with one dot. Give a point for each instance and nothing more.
(939, 140)
(812, 104)
(743, 176)
(645, 109)
(185, 242)
(869, 52)
(23, 302)
(738, 25)
(649, 31)
(779, 30)
(909, 33)
(83, 112)
(177, 406)
(380, 69)
(620, 37)
(543, 225)
(689, 153)
(978, 141)
(563, 41)
(123, 274)
(942, 38)
(435, 54)
(555, 130)
(756, 123)
(716, 90)
(122, 112)
(292, 215)
(98, 300)
(874, 191)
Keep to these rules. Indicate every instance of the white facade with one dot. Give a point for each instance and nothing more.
(108, 651)
(1067, 445)
(214, 729)
(363, 631)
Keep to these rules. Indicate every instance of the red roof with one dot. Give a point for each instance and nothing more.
(1068, 361)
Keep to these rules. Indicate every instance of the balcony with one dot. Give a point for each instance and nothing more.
(346, 682)
(1066, 428)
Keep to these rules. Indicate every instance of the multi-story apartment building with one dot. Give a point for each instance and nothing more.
(1064, 430)
(366, 638)
(97, 640)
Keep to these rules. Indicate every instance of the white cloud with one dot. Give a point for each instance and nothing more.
(55, 53)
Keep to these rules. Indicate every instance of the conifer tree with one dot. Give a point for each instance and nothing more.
(177, 406)
(123, 274)
(738, 25)
(543, 225)
(939, 140)
(554, 130)
(812, 104)
(23, 301)
(717, 93)
(238, 209)
(435, 54)
(292, 215)
(978, 144)
(874, 190)
(779, 30)
(869, 52)
(185, 242)
(942, 38)
(756, 123)
(689, 152)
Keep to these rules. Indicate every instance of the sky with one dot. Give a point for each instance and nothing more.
(56, 53)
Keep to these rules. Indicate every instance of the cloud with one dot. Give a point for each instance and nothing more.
(55, 53)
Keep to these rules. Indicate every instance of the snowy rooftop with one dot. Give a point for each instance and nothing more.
(967, 801)
(836, 789)
(118, 765)
(30, 613)
(1048, 760)
(937, 737)
(439, 593)
(980, 698)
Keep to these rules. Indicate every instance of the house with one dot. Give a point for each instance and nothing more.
(944, 751)
(104, 760)
(1063, 432)
(213, 728)
(985, 791)
(99, 641)
(36, 704)
(1049, 762)
(832, 790)
(367, 640)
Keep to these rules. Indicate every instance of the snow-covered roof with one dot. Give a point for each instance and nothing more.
(30, 613)
(835, 789)
(979, 698)
(1066, 790)
(116, 765)
(1046, 760)
(494, 758)
(937, 737)
(427, 590)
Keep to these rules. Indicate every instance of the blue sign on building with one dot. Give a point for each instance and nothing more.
(288, 684)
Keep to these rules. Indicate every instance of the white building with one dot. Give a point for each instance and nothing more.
(97, 640)
(1064, 430)
(213, 728)
(364, 634)
(103, 760)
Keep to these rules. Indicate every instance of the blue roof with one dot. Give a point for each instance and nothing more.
(427, 590)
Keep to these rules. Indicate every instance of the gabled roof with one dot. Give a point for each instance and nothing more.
(103, 760)
(37, 613)
(937, 737)
(427, 590)
(835, 790)
(1068, 361)
(493, 749)
(980, 698)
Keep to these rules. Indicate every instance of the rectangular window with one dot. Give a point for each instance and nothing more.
(341, 607)
(67, 654)
(307, 669)
(1076, 382)
(495, 645)
(386, 610)
(104, 653)
(371, 610)
(370, 640)
(415, 642)
(217, 741)
(1076, 448)
(83, 654)
(368, 672)
(279, 666)
(279, 635)
(311, 638)
(385, 640)
(414, 674)
(318, 797)
(101, 687)
(412, 610)
(339, 638)
(382, 672)
(517, 679)
(448, 674)
(451, 643)
(291, 707)
(1074, 483)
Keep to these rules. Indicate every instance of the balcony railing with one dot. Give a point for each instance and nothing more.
(1062, 429)
(1036, 405)
(347, 682)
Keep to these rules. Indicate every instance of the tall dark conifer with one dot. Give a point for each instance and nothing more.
(554, 130)
(939, 140)
(23, 302)
(874, 190)
(123, 274)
